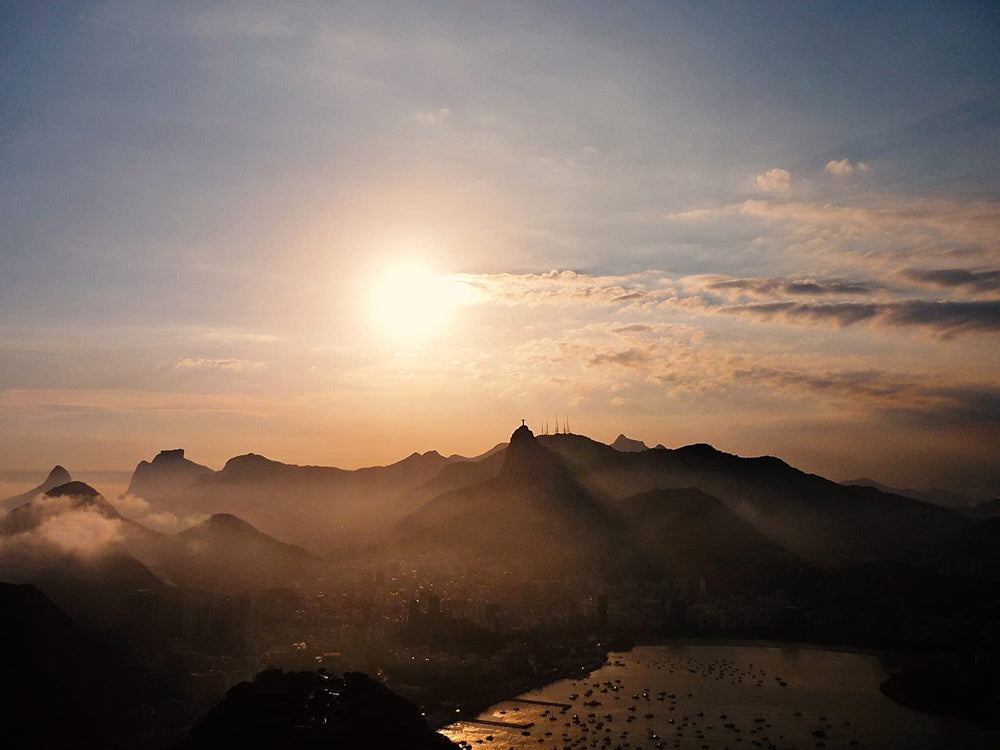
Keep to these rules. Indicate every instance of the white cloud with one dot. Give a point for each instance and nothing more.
(140, 510)
(845, 167)
(774, 180)
(83, 532)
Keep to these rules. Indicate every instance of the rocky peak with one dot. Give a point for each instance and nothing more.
(57, 476)
(167, 456)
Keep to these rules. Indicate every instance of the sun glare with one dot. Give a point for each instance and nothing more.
(412, 303)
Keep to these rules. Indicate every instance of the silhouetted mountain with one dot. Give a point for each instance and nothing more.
(459, 474)
(944, 498)
(96, 589)
(227, 554)
(533, 513)
(169, 472)
(688, 534)
(815, 518)
(312, 710)
(73, 545)
(628, 445)
(987, 509)
(57, 476)
(56, 501)
(316, 506)
(60, 686)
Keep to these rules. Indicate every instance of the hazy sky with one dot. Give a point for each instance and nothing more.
(339, 232)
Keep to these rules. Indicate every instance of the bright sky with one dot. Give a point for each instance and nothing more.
(337, 233)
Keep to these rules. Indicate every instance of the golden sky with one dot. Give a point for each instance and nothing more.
(341, 233)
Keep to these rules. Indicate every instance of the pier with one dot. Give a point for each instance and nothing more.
(505, 724)
(541, 703)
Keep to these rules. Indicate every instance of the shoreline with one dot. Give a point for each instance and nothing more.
(515, 688)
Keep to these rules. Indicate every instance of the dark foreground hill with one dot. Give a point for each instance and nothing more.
(61, 686)
(306, 710)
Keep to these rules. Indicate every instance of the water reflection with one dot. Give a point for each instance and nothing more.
(701, 696)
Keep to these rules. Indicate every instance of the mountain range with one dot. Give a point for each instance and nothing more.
(556, 502)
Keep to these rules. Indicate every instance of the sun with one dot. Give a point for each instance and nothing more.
(412, 303)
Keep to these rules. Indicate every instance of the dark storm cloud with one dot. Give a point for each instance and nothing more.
(855, 384)
(953, 407)
(949, 318)
(782, 287)
(634, 328)
(628, 358)
(962, 278)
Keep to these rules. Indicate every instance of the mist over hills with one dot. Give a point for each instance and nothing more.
(819, 520)
(225, 553)
(56, 477)
(679, 538)
(318, 507)
(944, 498)
(553, 492)
(533, 511)
(689, 534)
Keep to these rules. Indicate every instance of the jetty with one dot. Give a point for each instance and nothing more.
(505, 724)
(541, 703)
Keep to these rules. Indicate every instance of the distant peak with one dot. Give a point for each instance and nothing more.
(226, 522)
(248, 459)
(58, 476)
(521, 434)
(628, 445)
(176, 454)
(524, 453)
(73, 489)
(703, 449)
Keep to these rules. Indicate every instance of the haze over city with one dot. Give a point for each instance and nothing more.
(338, 233)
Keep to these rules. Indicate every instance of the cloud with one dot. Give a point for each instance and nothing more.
(129, 402)
(777, 287)
(962, 278)
(570, 288)
(949, 318)
(630, 358)
(774, 181)
(142, 511)
(170, 523)
(131, 505)
(64, 524)
(235, 365)
(81, 532)
(845, 167)
(849, 383)
(910, 221)
(634, 328)
(956, 406)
